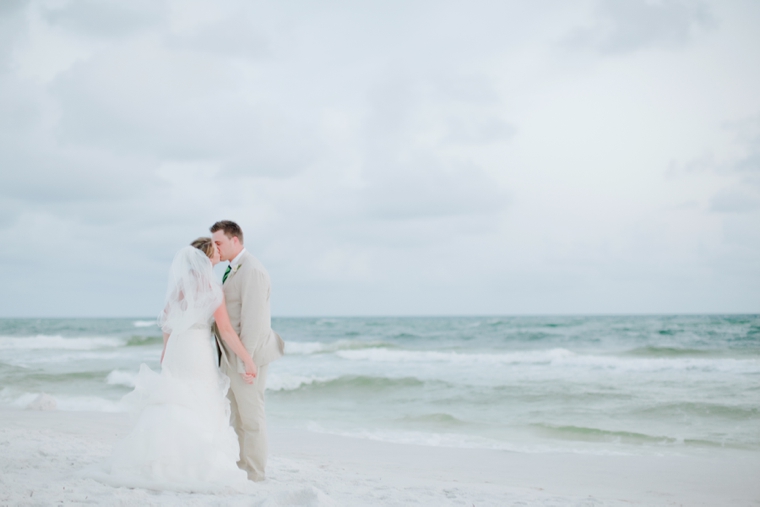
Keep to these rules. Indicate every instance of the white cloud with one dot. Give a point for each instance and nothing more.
(420, 157)
(627, 25)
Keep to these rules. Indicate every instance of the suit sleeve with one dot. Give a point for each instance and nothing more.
(255, 323)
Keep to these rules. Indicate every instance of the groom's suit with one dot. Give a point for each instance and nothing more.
(246, 292)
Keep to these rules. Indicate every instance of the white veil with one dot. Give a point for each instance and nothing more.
(193, 293)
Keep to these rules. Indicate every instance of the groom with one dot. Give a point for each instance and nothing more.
(246, 291)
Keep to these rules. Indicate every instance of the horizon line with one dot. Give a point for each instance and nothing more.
(423, 316)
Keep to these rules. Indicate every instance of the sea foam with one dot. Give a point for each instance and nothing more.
(303, 348)
(57, 342)
(557, 357)
(289, 382)
(121, 378)
(306, 348)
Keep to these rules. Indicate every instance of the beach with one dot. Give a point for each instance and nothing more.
(44, 453)
(545, 411)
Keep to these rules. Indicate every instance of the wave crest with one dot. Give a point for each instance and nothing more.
(307, 348)
(388, 355)
(351, 382)
(121, 378)
(58, 342)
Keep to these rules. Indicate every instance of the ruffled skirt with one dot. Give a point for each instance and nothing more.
(182, 438)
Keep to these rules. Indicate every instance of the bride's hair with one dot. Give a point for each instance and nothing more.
(205, 245)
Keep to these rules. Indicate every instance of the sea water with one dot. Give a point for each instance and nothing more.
(599, 384)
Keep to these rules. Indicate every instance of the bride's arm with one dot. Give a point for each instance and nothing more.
(166, 339)
(231, 338)
(166, 335)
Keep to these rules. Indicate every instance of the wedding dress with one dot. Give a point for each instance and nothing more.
(182, 438)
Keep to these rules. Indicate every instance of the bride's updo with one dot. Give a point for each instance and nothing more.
(205, 245)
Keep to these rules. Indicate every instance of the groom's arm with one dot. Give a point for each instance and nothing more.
(255, 320)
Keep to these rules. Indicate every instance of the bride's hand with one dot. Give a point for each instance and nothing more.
(250, 371)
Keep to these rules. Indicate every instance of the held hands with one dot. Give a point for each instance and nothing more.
(250, 371)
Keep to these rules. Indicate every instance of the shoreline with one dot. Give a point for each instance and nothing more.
(41, 451)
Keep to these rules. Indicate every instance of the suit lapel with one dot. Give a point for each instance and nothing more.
(235, 270)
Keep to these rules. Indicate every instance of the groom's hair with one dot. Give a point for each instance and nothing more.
(230, 229)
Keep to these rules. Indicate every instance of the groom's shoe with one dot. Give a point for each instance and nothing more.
(256, 478)
(252, 476)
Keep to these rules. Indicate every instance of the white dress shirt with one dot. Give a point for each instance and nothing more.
(234, 262)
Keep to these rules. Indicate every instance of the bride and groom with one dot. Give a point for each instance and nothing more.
(200, 422)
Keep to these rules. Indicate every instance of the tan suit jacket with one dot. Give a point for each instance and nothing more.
(246, 292)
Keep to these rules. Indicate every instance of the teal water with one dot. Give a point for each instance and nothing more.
(636, 384)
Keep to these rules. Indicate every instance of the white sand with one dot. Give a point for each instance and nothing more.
(42, 454)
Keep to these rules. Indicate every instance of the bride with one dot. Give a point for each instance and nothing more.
(182, 438)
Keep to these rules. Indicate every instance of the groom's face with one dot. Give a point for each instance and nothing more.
(228, 247)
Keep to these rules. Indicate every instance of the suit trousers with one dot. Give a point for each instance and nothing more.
(249, 421)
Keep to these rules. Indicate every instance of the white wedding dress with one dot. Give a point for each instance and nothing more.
(182, 438)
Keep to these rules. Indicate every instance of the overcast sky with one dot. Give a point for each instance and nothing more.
(384, 157)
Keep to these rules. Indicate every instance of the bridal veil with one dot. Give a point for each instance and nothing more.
(193, 293)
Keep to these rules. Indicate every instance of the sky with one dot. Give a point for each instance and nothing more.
(384, 157)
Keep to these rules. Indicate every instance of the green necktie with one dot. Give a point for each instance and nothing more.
(226, 273)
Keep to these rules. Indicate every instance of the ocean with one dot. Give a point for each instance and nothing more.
(577, 384)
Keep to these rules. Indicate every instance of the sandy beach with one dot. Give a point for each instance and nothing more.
(44, 453)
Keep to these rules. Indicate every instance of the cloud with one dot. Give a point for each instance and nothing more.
(430, 157)
(743, 195)
(421, 188)
(479, 131)
(12, 28)
(747, 132)
(103, 18)
(412, 168)
(624, 26)
(735, 201)
(236, 36)
(163, 104)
